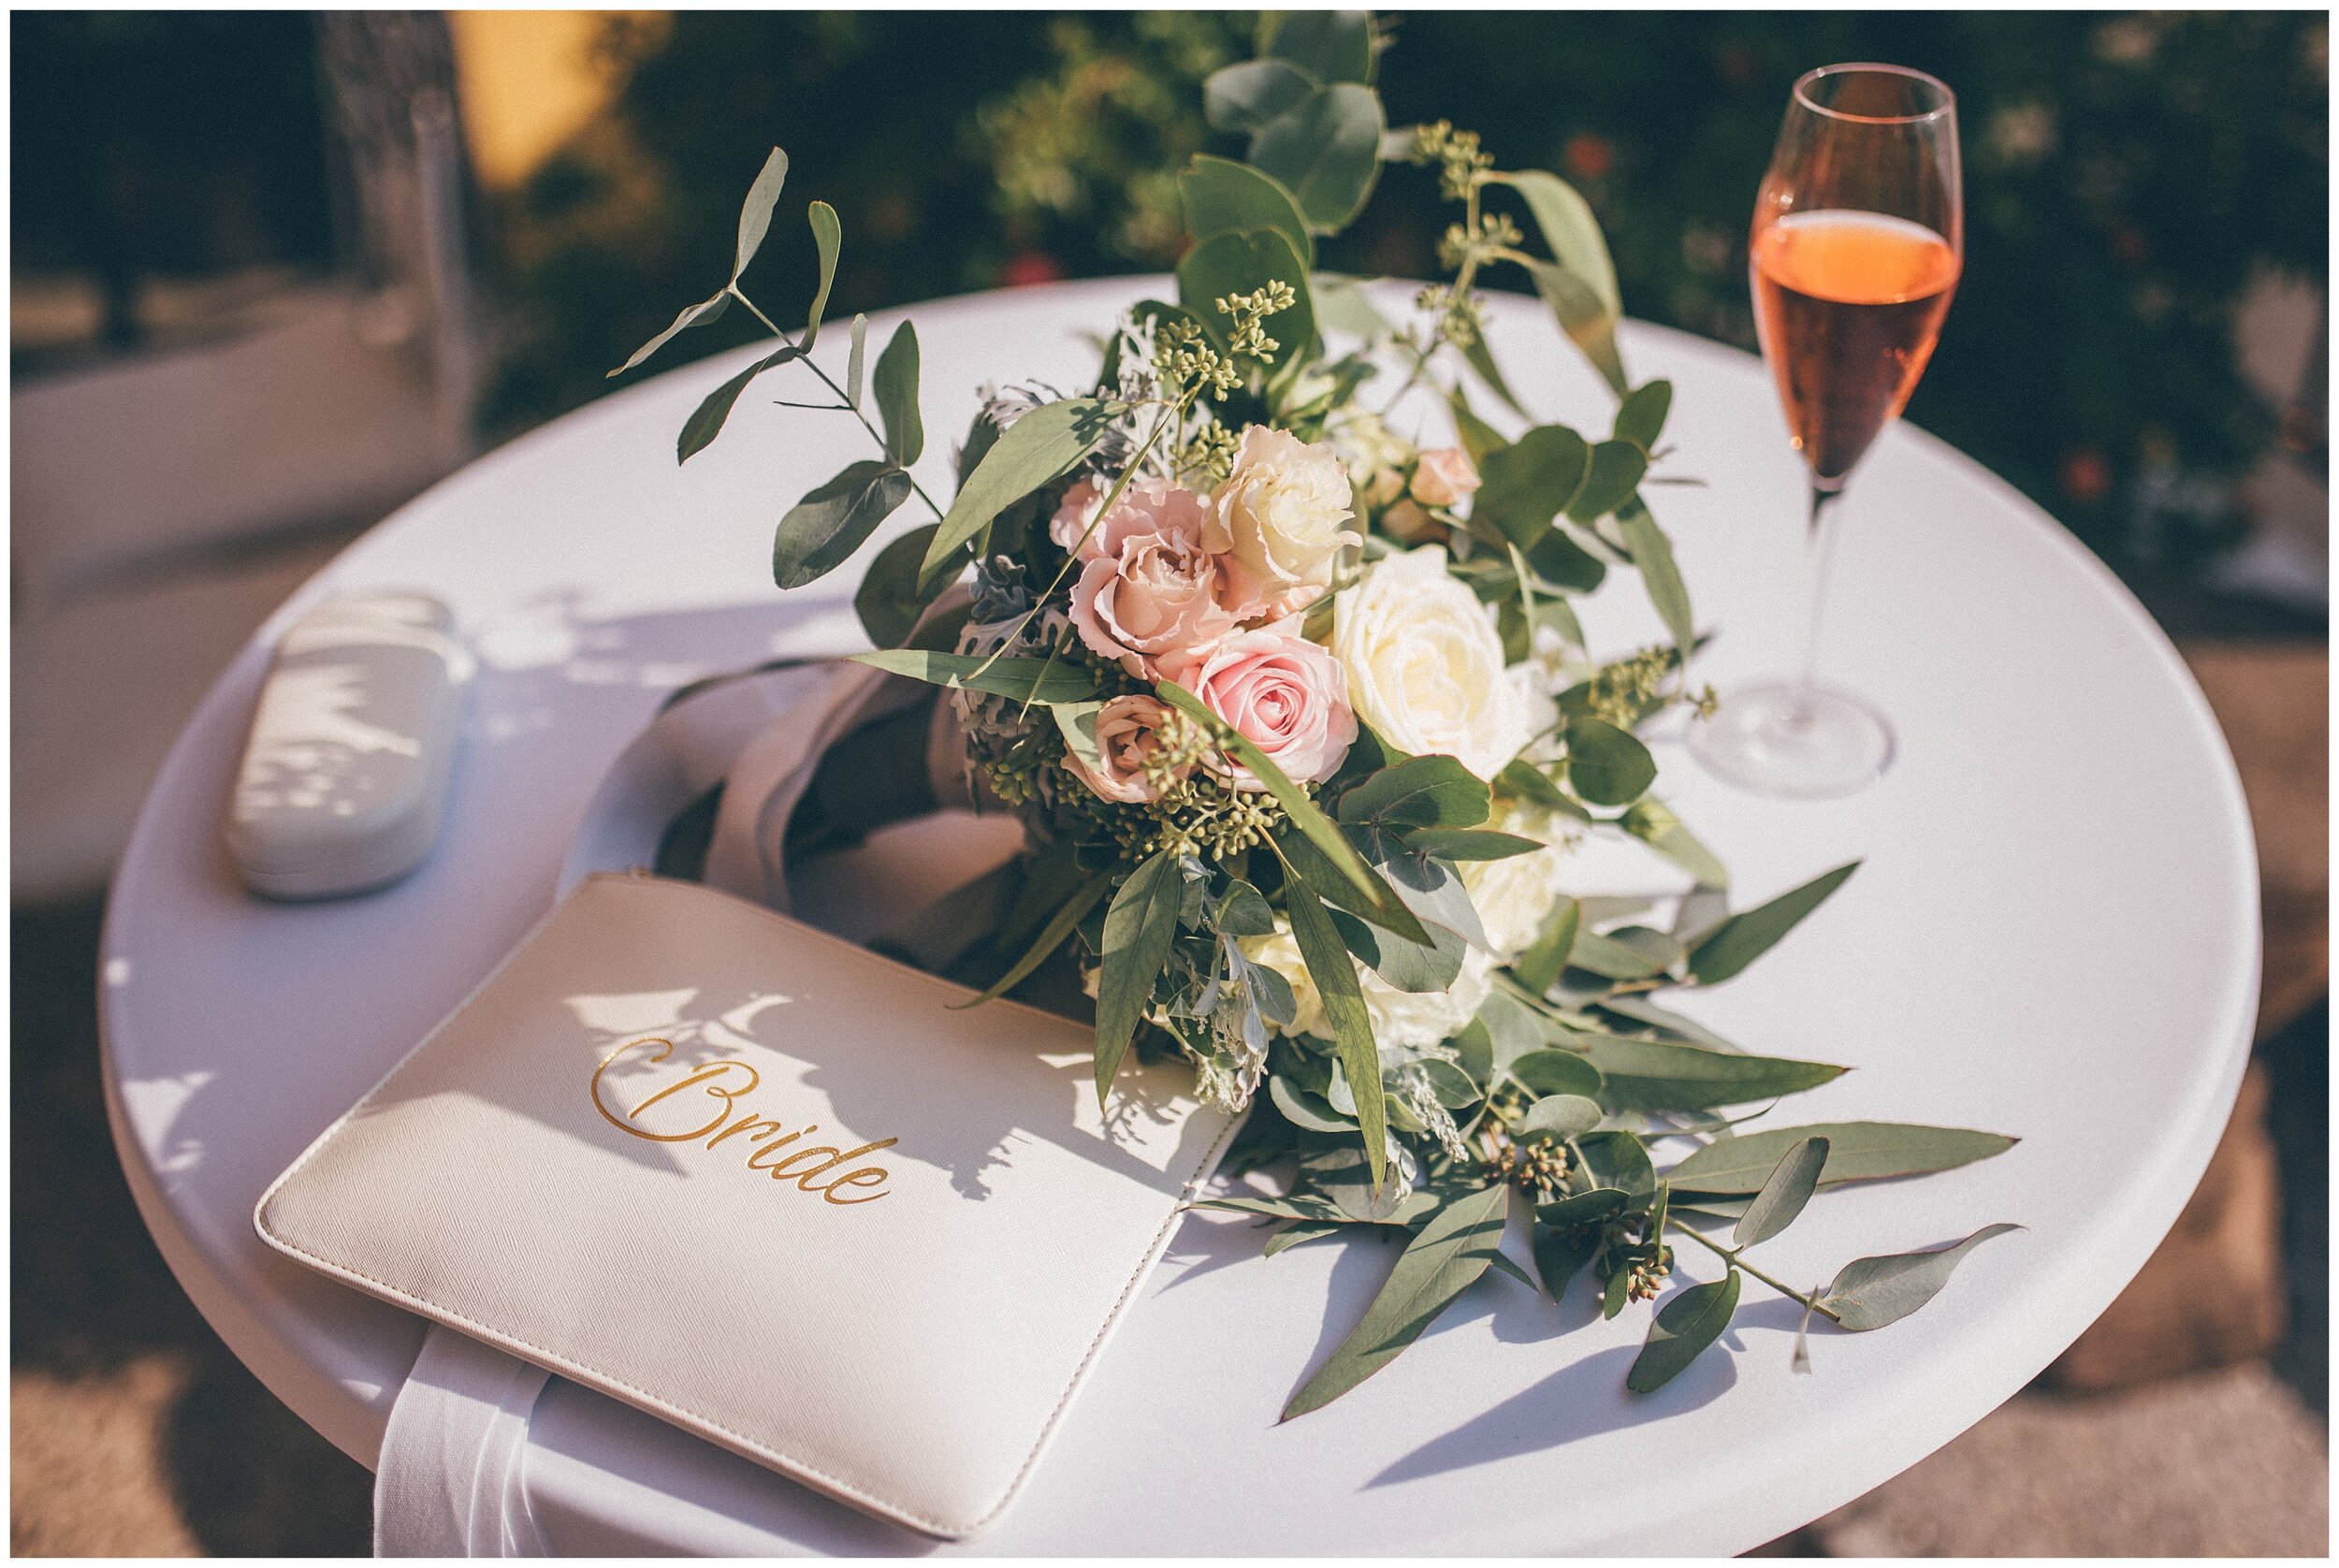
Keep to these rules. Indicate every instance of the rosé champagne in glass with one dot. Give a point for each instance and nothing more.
(1857, 244)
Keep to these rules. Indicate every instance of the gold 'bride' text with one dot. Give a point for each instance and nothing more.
(726, 1082)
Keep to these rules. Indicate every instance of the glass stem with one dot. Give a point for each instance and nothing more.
(1820, 546)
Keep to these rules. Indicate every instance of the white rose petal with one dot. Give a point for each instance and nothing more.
(1280, 514)
(1515, 896)
(1425, 664)
(1410, 1020)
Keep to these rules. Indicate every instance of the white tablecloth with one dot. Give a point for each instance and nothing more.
(2055, 935)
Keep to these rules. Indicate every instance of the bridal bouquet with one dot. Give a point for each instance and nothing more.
(1290, 696)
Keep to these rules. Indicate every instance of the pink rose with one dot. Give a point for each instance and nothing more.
(1443, 476)
(1146, 506)
(1129, 730)
(1283, 694)
(1153, 598)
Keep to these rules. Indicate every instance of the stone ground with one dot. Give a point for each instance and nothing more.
(134, 1431)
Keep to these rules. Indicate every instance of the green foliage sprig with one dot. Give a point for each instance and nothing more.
(1573, 1081)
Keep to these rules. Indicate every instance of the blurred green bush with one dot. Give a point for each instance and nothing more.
(2124, 175)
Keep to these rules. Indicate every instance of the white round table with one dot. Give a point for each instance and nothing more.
(2055, 935)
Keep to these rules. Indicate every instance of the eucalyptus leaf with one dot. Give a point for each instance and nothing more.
(1640, 418)
(755, 213)
(1596, 1206)
(1661, 1075)
(1305, 1110)
(1512, 1031)
(1243, 912)
(1614, 472)
(1330, 46)
(1034, 680)
(1242, 98)
(834, 520)
(1465, 844)
(1640, 1010)
(1343, 1000)
(1335, 887)
(1538, 967)
(1221, 194)
(1652, 554)
(1619, 1160)
(1500, 1264)
(1682, 1328)
(1481, 360)
(1559, 560)
(1587, 322)
(1307, 1206)
(1041, 446)
(1523, 780)
(1610, 767)
(887, 600)
(894, 386)
(1051, 935)
(1857, 1151)
(1420, 791)
(857, 359)
(1742, 938)
(1433, 892)
(1573, 233)
(1610, 959)
(1416, 967)
(1654, 825)
(1556, 1072)
(1296, 1232)
(1523, 486)
(1141, 926)
(1478, 438)
(1561, 1255)
(1325, 149)
(700, 314)
(1616, 1293)
(828, 235)
(1452, 1250)
(1561, 1116)
(1785, 1191)
(706, 420)
(1871, 1292)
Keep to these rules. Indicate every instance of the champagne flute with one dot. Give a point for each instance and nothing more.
(1857, 244)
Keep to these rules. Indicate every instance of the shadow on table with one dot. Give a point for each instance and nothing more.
(91, 1298)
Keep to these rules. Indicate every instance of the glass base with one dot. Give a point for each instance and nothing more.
(1800, 742)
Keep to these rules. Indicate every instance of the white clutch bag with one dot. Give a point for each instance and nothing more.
(767, 1185)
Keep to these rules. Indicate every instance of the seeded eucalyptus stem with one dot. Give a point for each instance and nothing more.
(1733, 1257)
(842, 401)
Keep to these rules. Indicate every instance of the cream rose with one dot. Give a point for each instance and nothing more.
(1128, 729)
(1283, 694)
(1515, 896)
(1425, 666)
(1150, 596)
(1278, 516)
(1407, 1019)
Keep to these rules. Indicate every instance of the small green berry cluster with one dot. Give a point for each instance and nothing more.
(1464, 166)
